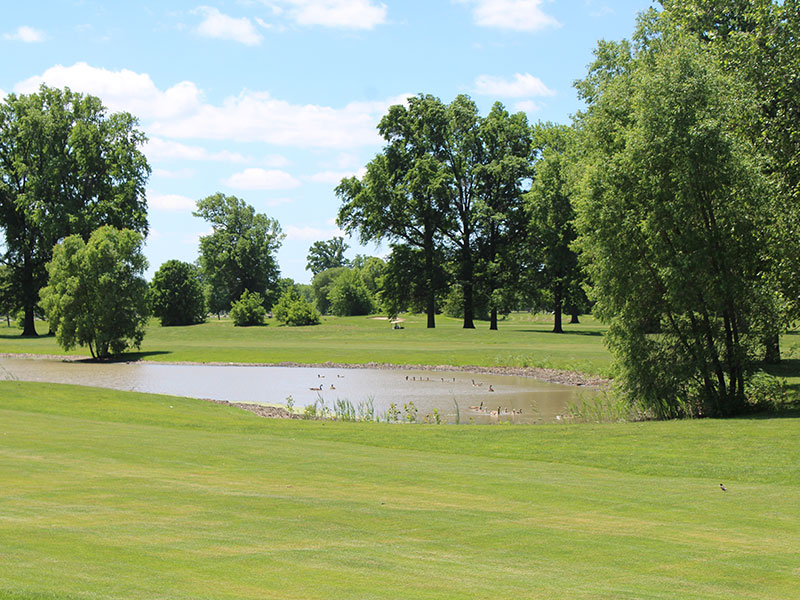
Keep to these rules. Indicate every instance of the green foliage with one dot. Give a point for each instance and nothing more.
(552, 221)
(349, 296)
(8, 298)
(96, 295)
(248, 310)
(671, 219)
(176, 294)
(67, 168)
(766, 392)
(239, 254)
(294, 310)
(321, 285)
(326, 255)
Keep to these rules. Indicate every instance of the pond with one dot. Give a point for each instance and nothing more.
(457, 396)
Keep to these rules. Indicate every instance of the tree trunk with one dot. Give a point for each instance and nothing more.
(466, 283)
(29, 328)
(772, 350)
(493, 320)
(574, 320)
(430, 300)
(557, 310)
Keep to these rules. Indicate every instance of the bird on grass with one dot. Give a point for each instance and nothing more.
(722, 487)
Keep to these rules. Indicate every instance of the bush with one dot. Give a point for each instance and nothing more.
(248, 310)
(349, 296)
(294, 310)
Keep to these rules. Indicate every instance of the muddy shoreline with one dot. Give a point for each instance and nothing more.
(549, 375)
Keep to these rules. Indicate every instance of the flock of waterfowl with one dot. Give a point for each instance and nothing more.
(481, 408)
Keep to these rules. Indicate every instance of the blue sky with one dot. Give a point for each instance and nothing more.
(275, 101)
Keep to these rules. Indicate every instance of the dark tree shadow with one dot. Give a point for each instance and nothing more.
(125, 357)
(565, 332)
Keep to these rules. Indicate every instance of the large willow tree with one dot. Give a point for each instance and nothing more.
(672, 221)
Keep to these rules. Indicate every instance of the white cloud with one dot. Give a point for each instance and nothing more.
(159, 148)
(221, 26)
(120, 90)
(2, 95)
(258, 117)
(522, 86)
(262, 179)
(252, 116)
(519, 15)
(26, 34)
(528, 106)
(334, 177)
(307, 233)
(349, 14)
(179, 174)
(170, 202)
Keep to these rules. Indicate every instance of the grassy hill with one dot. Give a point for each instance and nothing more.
(121, 495)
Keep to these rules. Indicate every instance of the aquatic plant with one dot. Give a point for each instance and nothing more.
(410, 411)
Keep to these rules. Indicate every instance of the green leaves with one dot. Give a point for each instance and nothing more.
(239, 254)
(96, 295)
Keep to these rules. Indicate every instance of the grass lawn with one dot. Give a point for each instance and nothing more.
(523, 340)
(112, 494)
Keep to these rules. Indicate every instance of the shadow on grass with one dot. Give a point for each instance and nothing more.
(788, 367)
(565, 332)
(126, 357)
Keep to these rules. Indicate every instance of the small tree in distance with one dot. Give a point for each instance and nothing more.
(294, 310)
(248, 310)
(176, 294)
(96, 295)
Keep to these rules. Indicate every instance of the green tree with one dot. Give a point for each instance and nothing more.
(248, 310)
(371, 269)
(176, 294)
(349, 296)
(403, 196)
(552, 227)
(321, 285)
(326, 255)
(8, 297)
(96, 295)
(294, 310)
(66, 167)
(457, 145)
(670, 220)
(239, 254)
(757, 40)
(500, 217)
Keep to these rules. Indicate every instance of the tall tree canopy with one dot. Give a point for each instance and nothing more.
(758, 40)
(445, 179)
(671, 220)
(403, 197)
(66, 167)
(325, 255)
(239, 254)
(500, 218)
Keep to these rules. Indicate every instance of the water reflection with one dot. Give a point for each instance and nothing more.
(457, 396)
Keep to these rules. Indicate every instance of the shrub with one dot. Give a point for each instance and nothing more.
(294, 310)
(248, 310)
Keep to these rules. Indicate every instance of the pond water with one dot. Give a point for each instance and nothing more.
(458, 396)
